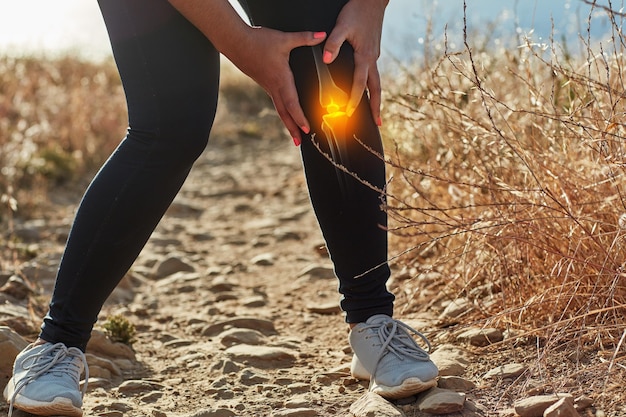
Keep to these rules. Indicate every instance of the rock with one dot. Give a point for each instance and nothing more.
(562, 408)
(100, 343)
(264, 259)
(236, 336)
(96, 383)
(583, 402)
(297, 403)
(373, 405)
(535, 406)
(328, 378)
(449, 367)
(451, 360)
(177, 343)
(441, 401)
(455, 383)
(456, 308)
(111, 414)
(183, 209)
(219, 412)
(98, 372)
(96, 361)
(264, 326)
(481, 337)
(325, 308)
(249, 377)
(511, 370)
(298, 388)
(254, 302)
(318, 272)
(151, 397)
(177, 279)
(295, 412)
(134, 387)
(261, 356)
(11, 344)
(170, 266)
(449, 351)
(16, 287)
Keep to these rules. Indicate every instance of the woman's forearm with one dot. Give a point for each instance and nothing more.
(217, 20)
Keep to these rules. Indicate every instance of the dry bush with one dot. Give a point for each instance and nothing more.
(509, 171)
(59, 118)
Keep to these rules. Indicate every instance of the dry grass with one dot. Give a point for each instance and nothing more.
(59, 118)
(509, 184)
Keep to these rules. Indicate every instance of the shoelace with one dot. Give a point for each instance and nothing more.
(57, 356)
(397, 340)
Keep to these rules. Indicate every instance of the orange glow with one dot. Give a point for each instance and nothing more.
(334, 122)
(334, 101)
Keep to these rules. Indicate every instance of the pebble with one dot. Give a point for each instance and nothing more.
(456, 308)
(264, 259)
(583, 402)
(511, 370)
(261, 356)
(134, 387)
(536, 405)
(455, 383)
(297, 403)
(236, 336)
(16, 287)
(254, 302)
(11, 344)
(295, 412)
(449, 367)
(264, 326)
(373, 405)
(100, 343)
(441, 401)
(451, 360)
(219, 412)
(249, 377)
(562, 408)
(170, 266)
(324, 308)
(317, 272)
(481, 337)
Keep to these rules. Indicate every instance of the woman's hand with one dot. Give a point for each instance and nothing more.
(360, 23)
(264, 56)
(261, 53)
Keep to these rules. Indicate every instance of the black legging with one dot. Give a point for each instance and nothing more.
(170, 74)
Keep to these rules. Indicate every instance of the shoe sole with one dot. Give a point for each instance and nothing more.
(408, 388)
(59, 406)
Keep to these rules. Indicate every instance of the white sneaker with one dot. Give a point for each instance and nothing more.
(46, 381)
(387, 355)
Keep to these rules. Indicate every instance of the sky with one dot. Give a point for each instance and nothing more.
(76, 25)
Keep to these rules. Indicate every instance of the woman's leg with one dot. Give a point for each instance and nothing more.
(170, 74)
(349, 212)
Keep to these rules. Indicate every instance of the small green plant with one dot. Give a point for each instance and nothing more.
(119, 329)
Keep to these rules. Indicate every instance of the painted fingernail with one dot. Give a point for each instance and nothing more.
(350, 111)
(327, 57)
(379, 121)
(296, 141)
(305, 129)
(319, 35)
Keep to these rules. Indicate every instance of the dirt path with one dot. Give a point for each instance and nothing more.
(235, 304)
(240, 241)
